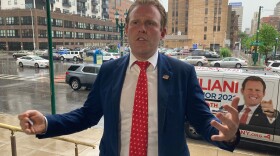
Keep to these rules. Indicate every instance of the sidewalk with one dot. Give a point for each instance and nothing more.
(28, 145)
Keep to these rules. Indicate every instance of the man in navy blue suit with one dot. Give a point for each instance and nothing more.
(174, 97)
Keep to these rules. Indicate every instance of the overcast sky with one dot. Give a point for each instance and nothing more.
(249, 7)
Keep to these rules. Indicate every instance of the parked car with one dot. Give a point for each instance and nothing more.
(33, 61)
(207, 54)
(273, 66)
(79, 75)
(90, 53)
(110, 56)
(56, 56)
(170, 52)
(40, 52)
(214, 54)
(233, 62)
(22, 53)
(196, 60)
(72, 55)
(184, 52)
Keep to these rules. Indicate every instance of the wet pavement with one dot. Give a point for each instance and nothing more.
(28, 145)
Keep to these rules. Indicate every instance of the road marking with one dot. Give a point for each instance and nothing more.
(21, 78)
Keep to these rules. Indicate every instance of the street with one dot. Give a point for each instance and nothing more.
(29, 88)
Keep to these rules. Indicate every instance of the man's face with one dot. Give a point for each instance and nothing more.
(253, 93)
(144, 31)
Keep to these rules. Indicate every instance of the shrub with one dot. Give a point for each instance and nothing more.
(225, 52)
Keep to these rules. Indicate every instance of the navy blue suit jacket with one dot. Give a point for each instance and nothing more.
(180, 99)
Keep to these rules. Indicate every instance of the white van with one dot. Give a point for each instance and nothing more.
(221, 85)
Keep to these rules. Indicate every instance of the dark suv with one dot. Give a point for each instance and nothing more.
(79, 75)
(207, 54)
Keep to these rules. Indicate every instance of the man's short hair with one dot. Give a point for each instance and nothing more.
(155, 3)
(254, 78)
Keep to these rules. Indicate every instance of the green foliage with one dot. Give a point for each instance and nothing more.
(267, 36)
(245, 40)
(225, 52)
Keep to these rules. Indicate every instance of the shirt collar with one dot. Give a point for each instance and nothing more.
(252, 108)
(153, 59)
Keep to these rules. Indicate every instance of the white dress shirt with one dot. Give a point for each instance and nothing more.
(127, 102)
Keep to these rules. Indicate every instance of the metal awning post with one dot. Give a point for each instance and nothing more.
(13, 144)
(50, 57)
(76, 150)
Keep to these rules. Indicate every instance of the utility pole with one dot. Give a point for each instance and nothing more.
(255, 54)
(258, 26)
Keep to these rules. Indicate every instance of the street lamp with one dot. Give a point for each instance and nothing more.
(276, 43)
(33, 34)
(257, 35)
(121, 27)
(32, 22)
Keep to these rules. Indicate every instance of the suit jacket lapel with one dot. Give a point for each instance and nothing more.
(164, 80)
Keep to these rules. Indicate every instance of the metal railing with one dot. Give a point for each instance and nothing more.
(14, 129)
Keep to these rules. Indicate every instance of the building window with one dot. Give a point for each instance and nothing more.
(1, 20)
(26, 33)
(2, 33)
(80, 35)
(102, 28)
(87, 35)
(205, 37)
(88, 26)
(42, 21)
(12, 33)
(206, 2)
(67, 34)
(81, 25)
(57, 23)
(205, 20)
(9, 2)
(97, 36)
(205, 29)
(92, 36)
(42, 33)
(68, 24)
(102, 36)
(12, 21)
(26, 20)
(58, 34)
(206, 11)
(96, 27)
(111, 29)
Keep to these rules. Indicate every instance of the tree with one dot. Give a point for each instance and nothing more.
(244, 38)
(267, 36)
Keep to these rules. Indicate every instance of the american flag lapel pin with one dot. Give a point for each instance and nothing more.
(166, 77)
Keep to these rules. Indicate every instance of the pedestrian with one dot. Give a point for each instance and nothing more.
(146, 113)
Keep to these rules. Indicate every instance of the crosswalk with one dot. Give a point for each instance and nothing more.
(22, 78)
